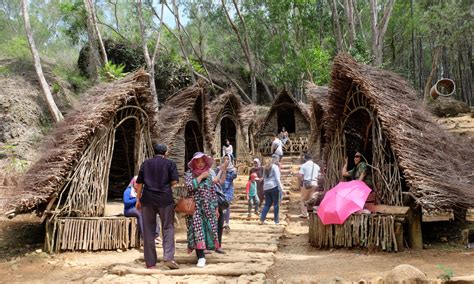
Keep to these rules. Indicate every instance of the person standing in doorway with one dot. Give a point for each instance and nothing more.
(284, 136)
(228, 150)
(155, 180)
(277, 149)
(308, 181)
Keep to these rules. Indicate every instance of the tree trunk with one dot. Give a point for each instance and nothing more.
(53, 109)
(244, 45)
(93, 55)
(150, 62)
(93, 18)
(336, 26)
(434, 64)
(181, 41)
(413, 70)
(379, 29)
(349, 11)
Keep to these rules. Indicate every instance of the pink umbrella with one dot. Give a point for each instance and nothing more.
(343, 200)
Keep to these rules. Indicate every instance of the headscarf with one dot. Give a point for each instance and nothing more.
(207, 160)
(258, 162)
(133, 182)
(230, 165)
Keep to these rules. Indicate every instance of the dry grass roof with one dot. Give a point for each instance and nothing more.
(177, 110)
(64, 147)
(436, 165)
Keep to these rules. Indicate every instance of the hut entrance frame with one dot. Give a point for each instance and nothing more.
(386, 174)
(194, 141)
(228, 130)
(85, 192)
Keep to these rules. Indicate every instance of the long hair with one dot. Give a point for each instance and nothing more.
(268, 167)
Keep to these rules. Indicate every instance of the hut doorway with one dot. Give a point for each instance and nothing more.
(286, 118)
(229, 131)
(358, 135)
(193, 141)
(122, 167)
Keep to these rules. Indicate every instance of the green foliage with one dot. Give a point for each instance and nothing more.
(15, 164)
(110, 72)
(447, 273)
(198, 67)
(4, 70)
(15, 47)
(74, 17)
(55, 88)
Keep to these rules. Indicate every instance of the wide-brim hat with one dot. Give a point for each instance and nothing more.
(207, 159)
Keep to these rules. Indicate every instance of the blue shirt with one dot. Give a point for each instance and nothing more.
(128, 201)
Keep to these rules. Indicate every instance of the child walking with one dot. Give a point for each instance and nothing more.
(252, 196)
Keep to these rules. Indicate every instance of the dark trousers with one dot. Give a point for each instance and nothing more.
(149, 228)
(200, 253)
(220, 225)
(272, 196)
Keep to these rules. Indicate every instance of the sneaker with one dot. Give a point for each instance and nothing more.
(261, 222)
(171, 264)
(201, 263)
(249, 215)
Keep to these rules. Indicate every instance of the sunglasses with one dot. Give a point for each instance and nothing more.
(357, 156)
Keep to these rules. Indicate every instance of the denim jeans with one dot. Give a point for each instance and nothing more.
(253, 202)
(272, 196)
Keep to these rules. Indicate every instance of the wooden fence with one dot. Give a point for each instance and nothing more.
(373, 231)
(91, 234)
(298, 144)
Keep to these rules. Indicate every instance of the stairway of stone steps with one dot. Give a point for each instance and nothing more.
(249, 247)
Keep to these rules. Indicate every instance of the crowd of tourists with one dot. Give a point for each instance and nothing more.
(209, 190)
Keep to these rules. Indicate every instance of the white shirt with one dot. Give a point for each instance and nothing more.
(278, 146)
(306, 170)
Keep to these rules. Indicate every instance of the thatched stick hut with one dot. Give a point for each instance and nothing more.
(182, 124)
(318, 98)
(294, 116)
(229, 118)
(379, 113)
(89, 159)
(413, 161)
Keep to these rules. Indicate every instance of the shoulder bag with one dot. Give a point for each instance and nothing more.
(186, 205)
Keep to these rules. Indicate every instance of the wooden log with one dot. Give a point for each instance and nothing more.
(415, 237)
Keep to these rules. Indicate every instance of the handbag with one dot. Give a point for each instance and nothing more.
(186, 205)
(221, 200)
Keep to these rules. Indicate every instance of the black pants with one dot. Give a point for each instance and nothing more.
(200, 253)
(220, 225)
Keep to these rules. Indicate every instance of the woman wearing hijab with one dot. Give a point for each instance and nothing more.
(129, 201)
(230, 171)
(202, 225)
(129, 210)
(258, 169)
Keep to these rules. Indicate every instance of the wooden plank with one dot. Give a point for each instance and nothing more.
(437, 216)
(388, 209)
(470, 215)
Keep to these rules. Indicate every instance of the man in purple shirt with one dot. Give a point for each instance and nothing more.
(155, 180)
